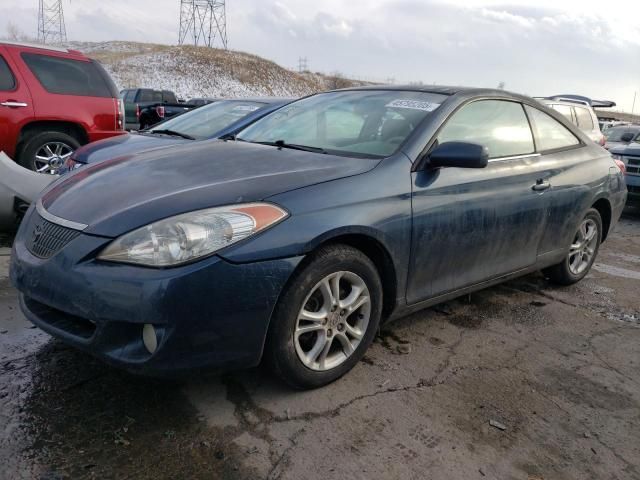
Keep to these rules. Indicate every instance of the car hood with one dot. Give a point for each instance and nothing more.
(123, 145)
(629, 149)
(121, 194)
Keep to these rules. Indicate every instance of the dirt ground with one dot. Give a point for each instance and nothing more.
(522, 381)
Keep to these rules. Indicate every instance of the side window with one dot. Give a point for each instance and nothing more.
(565, 110)
(585, 122)
(145, 96)
(130, 96)
(65, 76)
(549, 133)
(7, 82)
(499, 125)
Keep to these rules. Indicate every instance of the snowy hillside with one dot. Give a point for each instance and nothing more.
(203, 72)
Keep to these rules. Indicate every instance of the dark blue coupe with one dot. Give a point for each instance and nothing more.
(294, 240)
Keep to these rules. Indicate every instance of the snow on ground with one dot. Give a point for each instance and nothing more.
(203, 72)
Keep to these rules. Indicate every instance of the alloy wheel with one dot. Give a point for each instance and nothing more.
(583, 247)
(51, 156)
(332, 321)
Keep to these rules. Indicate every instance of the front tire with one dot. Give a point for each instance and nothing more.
(326, 318)
(582, 251)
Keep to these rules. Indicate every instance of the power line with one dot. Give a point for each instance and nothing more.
(202, 22)
(51, 27)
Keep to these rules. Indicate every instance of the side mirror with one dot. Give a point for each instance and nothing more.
(459, 154)
(627, 137)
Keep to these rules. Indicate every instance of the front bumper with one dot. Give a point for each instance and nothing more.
(633, 189)
(211, 314)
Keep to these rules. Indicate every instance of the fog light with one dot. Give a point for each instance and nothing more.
(149, 337)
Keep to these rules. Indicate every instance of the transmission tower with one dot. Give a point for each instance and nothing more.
(51, 28)
(303, 64)
(201, 21)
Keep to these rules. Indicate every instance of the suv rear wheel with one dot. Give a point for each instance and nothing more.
(46, 152)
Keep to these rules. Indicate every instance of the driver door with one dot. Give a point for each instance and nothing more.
(472, 225)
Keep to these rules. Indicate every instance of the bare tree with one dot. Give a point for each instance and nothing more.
(336, 80)
(14, 34)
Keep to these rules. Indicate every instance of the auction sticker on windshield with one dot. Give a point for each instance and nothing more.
(246, 108)
(413, 104)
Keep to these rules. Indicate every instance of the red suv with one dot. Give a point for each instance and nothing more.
(52, 101)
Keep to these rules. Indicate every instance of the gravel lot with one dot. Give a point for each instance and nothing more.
(525, 381)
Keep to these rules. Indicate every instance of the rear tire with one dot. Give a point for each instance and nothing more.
(45, 152)
(582, 252)
(315, 339)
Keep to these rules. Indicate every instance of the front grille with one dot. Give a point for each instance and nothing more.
(44, 238)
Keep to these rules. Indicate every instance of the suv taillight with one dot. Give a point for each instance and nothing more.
(120, 115)
(621, 166)
(160, 111)
(602, 141)
(137, 111)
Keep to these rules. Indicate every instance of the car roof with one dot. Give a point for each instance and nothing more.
(39, 46)
(446, 90)
(268, 100)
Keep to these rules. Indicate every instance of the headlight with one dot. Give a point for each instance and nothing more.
(615, 156)
(184, 238)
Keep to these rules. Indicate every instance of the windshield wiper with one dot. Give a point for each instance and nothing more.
(293, 146)
(172, 133)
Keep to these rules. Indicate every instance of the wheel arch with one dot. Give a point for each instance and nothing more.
(368, 241)
(34, 128)
(603, 206)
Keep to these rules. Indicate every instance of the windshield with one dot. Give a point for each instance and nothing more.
(205, 122)
(615, 134)
(365, 123)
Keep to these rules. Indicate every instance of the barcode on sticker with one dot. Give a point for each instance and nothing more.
(414, 105)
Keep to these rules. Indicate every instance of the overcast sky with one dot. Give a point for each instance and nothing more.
(537, 47)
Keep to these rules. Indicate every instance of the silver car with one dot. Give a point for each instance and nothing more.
(580, 112)
(19, 187)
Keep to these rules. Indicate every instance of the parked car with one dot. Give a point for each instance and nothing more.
(52, 101)
(199, 102)
(145, 107)
(606, 125)
(293, 242)
(579, 112)
(630, 156)
(620, 136)
(19, 187)
(221, 119)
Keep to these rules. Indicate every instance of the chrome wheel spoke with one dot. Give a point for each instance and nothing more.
(313, 316)
(44, 168)
(335, 287)
(313, 327)
(322, 361)
(327, 293)
(354, 332)
(347, 346)
(320, 344)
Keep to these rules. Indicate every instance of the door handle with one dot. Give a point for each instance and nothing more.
(541, 185)
(13, 104)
